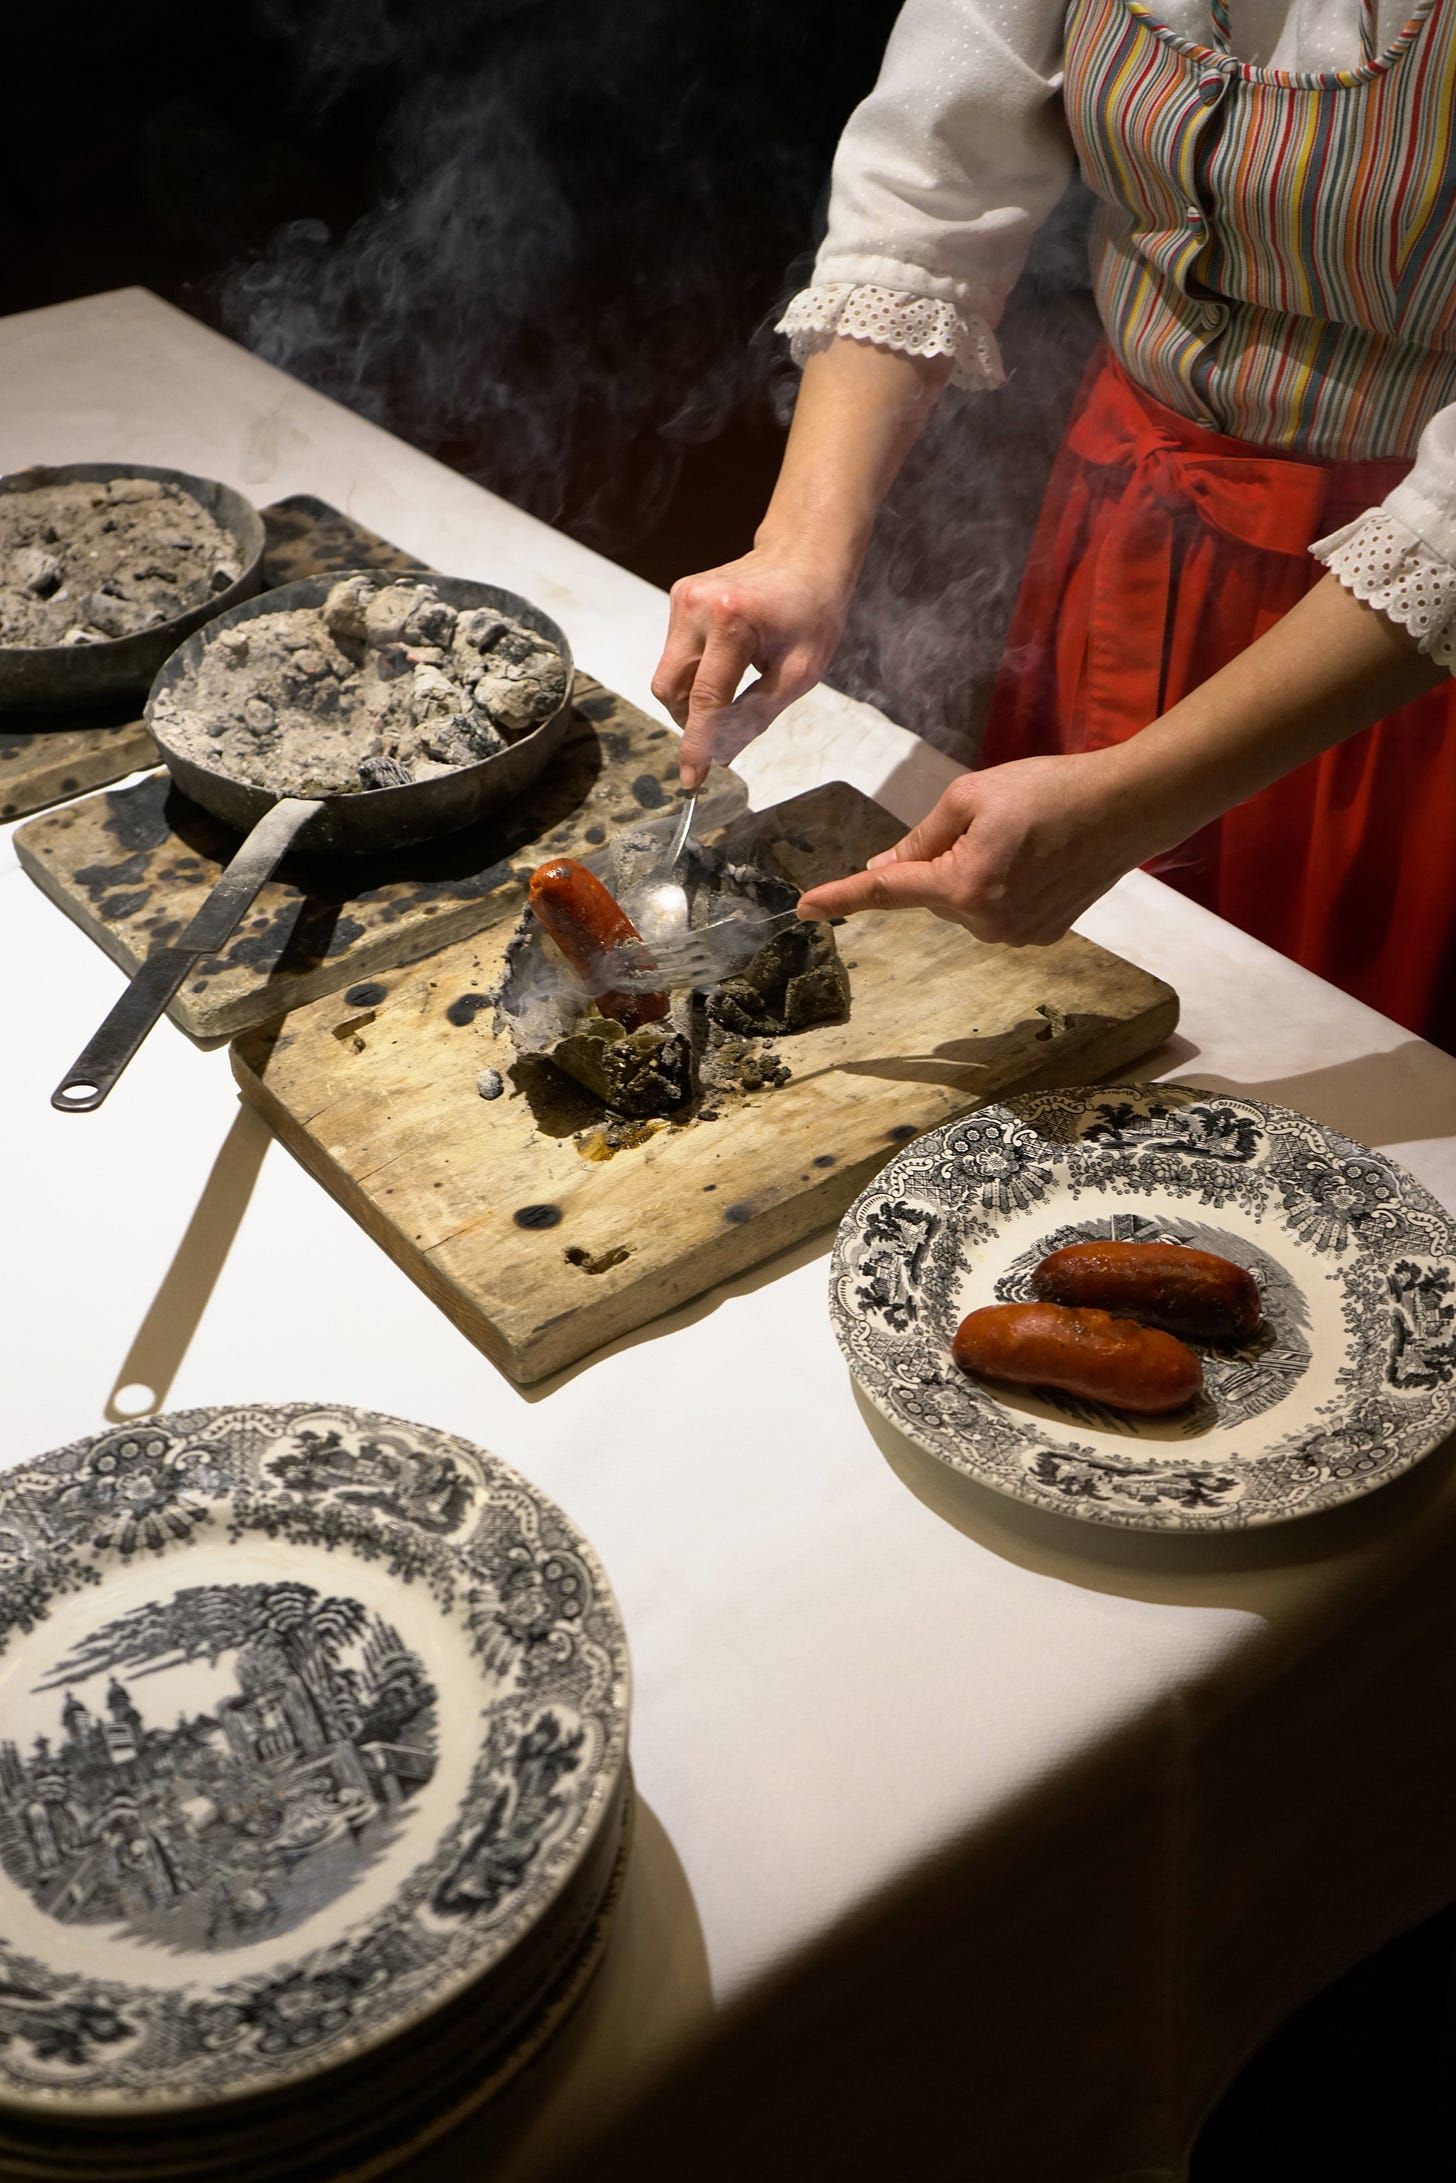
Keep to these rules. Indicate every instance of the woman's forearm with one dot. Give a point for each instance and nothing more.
(859, 412)
(1329, 668)
(1018, 851)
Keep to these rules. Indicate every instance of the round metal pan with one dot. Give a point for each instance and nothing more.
(358, 824)
(53, 677)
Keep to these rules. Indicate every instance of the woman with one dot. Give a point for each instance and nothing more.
(1274, 258)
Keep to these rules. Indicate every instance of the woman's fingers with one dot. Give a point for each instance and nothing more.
(893, 886)
(937, 832)
(727, 654)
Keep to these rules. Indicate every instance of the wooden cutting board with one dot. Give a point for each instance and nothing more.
(540, 1252)
(47, 757)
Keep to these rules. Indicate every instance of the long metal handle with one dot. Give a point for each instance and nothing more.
(99, 1067)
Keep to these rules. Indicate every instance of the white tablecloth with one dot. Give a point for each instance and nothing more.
(968, 1838)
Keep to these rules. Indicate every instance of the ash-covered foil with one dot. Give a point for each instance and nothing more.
(383, 684)
(86, 563)
(714, 1045)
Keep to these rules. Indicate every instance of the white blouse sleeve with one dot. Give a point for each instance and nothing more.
(1401, 556)
(942, 178)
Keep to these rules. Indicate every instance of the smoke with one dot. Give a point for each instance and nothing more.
(929, 620)
(581, 220)
(585, 220)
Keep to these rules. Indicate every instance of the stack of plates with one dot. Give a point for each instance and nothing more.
(313, 1792)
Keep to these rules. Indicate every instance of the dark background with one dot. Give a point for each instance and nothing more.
(546, 240)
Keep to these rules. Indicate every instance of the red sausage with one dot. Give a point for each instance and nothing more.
(1163, 1284)
(588, 925)
(1088, 1353)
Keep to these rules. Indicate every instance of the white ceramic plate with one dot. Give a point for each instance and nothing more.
(308, 1718)
(1350, 1381)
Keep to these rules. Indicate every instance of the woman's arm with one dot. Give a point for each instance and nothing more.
(942, 176)
(1016, 853)
(781, 607)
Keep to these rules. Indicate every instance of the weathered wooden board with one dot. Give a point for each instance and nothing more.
(541, 1252)
(133, 865)
(47, 757)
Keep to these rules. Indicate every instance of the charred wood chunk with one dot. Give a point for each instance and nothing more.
(383, 772)
(114, 617)
(796, 979)
(641, 1073)
(36, 571)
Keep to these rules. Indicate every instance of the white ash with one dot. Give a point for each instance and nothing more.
(490, 1083)
(383, 684)
(83, 563)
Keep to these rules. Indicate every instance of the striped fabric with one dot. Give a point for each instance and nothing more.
(1274, 255)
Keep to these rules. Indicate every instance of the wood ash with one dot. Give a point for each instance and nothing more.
(382, 684)
(714, 1046)
(85, 563)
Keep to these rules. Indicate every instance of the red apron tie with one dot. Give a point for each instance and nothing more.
(1170, 470)
(1163, 549)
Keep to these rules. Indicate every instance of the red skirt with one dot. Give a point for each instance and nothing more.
(1162, 550)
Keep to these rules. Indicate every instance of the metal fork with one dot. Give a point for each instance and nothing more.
(698, 955)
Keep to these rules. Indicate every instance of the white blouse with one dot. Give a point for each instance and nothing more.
(946, 171)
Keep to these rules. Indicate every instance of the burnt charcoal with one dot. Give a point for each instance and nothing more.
(114, 617)
(432, 622)
(640, 1073)
(480, 628)
(795, 980)
(128, 491)
(37, 572)
(383, 773)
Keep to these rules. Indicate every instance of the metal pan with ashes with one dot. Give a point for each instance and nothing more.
(105, 568)
(345, 715)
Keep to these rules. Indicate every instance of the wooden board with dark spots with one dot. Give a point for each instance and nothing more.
(133, 865)
(46, 758)
(541, 1250)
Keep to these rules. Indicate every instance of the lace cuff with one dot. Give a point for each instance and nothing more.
(893, 318)
(1383, 562)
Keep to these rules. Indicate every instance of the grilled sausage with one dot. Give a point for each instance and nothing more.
(1163, 1284)
(589, 926)
(1087, 1353)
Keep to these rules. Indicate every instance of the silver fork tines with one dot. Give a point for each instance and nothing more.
(699, 956)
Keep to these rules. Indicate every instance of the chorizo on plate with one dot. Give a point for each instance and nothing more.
(1084, 1352)
(1193, 1293)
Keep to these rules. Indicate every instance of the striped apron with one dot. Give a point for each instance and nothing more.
(1274, 258)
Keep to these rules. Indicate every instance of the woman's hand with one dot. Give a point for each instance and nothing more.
(1014, 854)
(1017, 853)
(780, 610)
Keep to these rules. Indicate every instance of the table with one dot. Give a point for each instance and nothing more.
(967, 1838)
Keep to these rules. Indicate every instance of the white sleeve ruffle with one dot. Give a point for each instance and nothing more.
(1401, 556)
(1383, 562)
(947, 169)
(893, 318)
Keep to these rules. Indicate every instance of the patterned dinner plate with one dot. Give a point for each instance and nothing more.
(309, 1721)
(1350, 1380)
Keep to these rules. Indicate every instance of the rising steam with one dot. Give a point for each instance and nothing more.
(588, 217)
